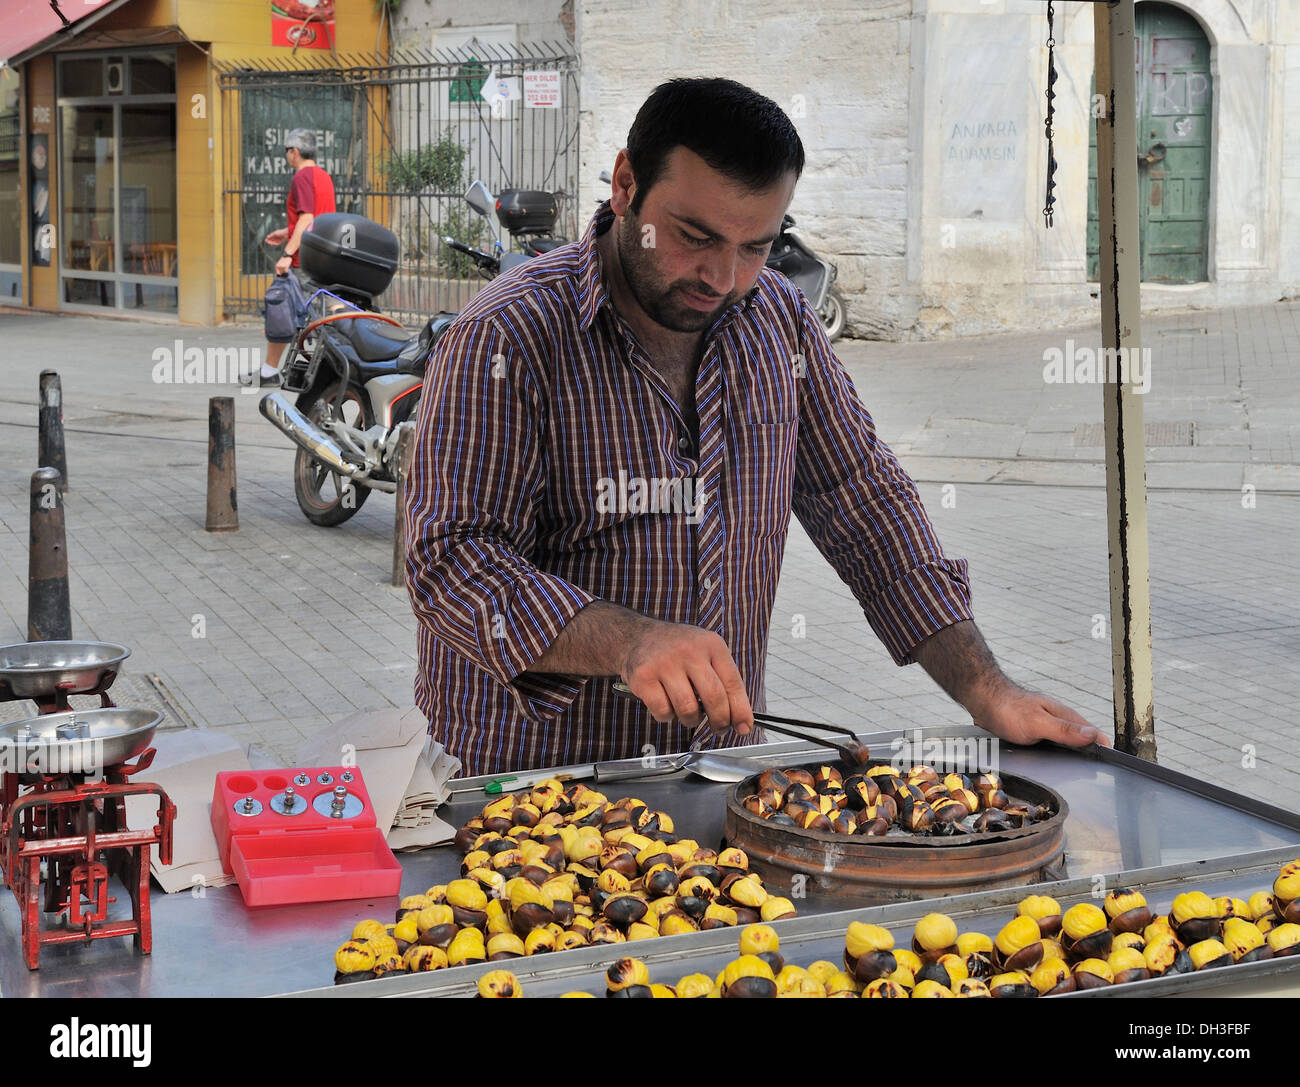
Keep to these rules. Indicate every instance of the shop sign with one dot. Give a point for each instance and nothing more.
(306, 24)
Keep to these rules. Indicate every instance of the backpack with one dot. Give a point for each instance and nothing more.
(285, 309)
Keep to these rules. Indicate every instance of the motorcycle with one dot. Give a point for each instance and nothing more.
(528, 215)
(355, 373)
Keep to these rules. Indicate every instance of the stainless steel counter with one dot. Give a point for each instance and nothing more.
(1125, 816)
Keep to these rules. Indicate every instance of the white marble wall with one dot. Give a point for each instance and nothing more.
(923, 125)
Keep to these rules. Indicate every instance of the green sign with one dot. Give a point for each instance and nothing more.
(468, 84)
(336, 114)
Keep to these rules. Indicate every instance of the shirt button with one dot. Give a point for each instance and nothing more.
(708, 585)
(684, 444)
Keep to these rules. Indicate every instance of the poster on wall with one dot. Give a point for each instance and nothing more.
(38, 174)
(336, 115)
(306, 24)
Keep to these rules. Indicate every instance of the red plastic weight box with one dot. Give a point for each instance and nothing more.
(301, 852)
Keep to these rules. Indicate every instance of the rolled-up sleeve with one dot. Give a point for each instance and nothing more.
(470, 518)
(863, 512)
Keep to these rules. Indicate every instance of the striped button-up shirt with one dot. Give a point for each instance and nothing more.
(552, 467)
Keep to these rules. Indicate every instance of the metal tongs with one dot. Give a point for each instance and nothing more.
(852, 752)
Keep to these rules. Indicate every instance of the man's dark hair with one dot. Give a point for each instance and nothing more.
(736, 130)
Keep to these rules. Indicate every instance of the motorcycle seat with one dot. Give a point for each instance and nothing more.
(415, 354)
(545, 245)
(374, 341)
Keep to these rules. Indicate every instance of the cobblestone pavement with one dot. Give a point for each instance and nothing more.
(272, 631)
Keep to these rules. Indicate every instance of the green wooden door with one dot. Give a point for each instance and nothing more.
(1173, 125)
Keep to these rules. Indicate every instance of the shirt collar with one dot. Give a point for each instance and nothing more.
(591, 284)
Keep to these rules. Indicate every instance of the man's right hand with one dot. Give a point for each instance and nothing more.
(278, 237)
(686, 672)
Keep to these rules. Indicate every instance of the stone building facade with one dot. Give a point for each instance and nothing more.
(923, 121)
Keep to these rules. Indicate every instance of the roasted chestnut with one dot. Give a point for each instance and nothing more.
(623, 909)
(1284, 940)
(1127, 964)
(626, 972)
(1245, 943)
(971, 987)
(748, 976)
(1052, 977)
(1127, 910)
(776, 909)
(1084, 933)
(1286, 893)
(1045, 911)
(1093, 974)
(873, 828)
(884, 988)
(928, 988)
(935, 936)
(868, 951)
(1163, 954)
(1011, 985)
(1019, 946)
(1194, 917)
(1209, 954)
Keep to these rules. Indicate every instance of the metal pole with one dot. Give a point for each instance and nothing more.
(50, 449)
(405, 445)
(49, 610)
(1126, 498)
(223, 506)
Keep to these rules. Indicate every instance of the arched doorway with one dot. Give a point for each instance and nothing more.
(1174, 100)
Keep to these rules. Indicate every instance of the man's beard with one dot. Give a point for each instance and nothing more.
(662, 302)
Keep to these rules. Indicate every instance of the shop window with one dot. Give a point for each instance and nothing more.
(82, 77)
(153, 75)
(11, 232)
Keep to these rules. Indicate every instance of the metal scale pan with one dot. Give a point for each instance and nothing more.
(79, 741)
(45, 671)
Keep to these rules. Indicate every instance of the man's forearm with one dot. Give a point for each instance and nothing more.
(594, 643)
(299, 229)
(960, 661)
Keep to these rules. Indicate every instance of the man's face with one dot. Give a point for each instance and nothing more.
(698, 241)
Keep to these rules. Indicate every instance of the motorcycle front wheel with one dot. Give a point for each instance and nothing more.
(327, 498)
(832, 315)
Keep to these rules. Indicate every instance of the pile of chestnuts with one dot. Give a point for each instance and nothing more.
(1042, 951)
(553, 869)
(883, 799)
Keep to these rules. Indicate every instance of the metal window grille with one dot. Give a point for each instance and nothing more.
(402, 137)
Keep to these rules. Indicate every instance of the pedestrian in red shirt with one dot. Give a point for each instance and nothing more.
(611, 442)
(311, 193)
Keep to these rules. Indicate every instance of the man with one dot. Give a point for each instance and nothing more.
(610, 443)
(311, 193)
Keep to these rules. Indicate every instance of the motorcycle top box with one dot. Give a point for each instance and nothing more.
(350, 251)
(527, 211)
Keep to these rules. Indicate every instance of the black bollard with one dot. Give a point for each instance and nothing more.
(50, 450)
(49, 610)
(223, 507)
(405, 446)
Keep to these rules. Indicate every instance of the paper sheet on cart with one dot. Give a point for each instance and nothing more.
(404, 770)
(186, 765)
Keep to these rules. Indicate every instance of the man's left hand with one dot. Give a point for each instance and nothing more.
(283, 265)
(1025, 717)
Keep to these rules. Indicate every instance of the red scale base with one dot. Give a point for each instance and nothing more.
(77, 830)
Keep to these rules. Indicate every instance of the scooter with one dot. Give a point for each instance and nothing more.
(356, 374)
(792, 257)
(528, 215)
